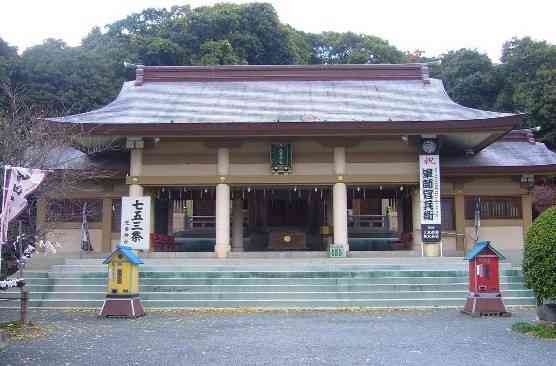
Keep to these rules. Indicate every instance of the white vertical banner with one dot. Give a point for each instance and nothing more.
(18, 184)
(136, 222)
(431, 214)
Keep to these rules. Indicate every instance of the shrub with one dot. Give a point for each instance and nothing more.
(539, 260)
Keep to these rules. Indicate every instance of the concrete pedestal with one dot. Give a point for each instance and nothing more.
(484, 305)
(122, 306)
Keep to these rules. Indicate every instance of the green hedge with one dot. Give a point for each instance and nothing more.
(539, 260)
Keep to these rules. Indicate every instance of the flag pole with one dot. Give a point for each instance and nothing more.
(3, 213)
(19, 242)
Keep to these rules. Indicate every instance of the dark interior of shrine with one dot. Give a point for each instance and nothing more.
(284, 218)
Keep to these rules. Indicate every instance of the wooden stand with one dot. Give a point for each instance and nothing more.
(485, 305)
(122, 306)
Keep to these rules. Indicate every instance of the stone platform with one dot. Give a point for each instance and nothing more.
(275, 282)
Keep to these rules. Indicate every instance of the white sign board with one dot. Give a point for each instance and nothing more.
(136, 222)
(429, 171)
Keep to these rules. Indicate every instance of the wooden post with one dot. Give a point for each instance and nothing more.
(459, 212)
(24, 298)
(23, 291)
(527, 213)
(106, 225)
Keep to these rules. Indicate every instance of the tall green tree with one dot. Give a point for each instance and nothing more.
(470, 78)
(529, 69)
(352, 48)
(65, 79)
(218, 53)
(8, 64)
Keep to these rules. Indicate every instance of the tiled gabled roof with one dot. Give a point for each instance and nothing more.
(518, 151)
(328, 93)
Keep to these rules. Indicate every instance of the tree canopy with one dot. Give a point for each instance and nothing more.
(78, 79)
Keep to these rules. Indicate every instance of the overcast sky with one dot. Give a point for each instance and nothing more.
(435, 26)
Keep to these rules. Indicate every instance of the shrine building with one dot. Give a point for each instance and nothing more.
(341, 159)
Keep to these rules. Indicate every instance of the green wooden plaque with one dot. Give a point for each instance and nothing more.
(281, 158)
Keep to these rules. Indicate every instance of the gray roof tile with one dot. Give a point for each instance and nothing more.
(281, 101)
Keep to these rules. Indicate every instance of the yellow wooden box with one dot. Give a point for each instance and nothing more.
(123, 272)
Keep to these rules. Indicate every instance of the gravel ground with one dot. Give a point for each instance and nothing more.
(436, 337)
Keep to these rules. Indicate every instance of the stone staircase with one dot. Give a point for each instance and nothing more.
(273, 283)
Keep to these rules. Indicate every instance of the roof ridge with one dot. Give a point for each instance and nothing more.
(326, 72)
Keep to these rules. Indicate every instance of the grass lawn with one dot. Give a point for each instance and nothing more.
(546, 331)
(15, 331)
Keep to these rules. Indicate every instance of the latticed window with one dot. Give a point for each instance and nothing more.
(493, 207)
(448, 216)
(71, 210)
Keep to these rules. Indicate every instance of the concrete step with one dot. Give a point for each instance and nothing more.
(279, 274)
(376, 283)
(300, 287)
(270, 295)
(261, 281)
(279, 303)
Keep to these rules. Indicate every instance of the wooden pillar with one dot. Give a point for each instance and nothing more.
(42, 204)
(135, 164)
(222, 247)
(459, 213)
(339, 198)
(237, 225)
(527, 213)
(106, 225)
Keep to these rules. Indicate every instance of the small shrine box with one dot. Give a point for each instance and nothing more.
(484, 281)
(122, 297)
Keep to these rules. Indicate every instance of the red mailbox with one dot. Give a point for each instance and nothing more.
(484, 281)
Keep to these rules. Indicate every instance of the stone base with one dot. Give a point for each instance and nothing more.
(222, 251)
(485, 305)
(122, 306)
(338, 251)
(431, 249)
(547, 313)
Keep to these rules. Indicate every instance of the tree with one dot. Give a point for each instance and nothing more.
(253, 30)
(8, 60)
(539, 258)
(69, 79)
(27, 142)
(470, 78)
(352, 48)
(218, 53)
(529, 69)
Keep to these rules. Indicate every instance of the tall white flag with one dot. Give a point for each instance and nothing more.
(18, 184)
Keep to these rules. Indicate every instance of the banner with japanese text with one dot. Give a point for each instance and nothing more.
(431, 215)
(136, 222)
(18, 184)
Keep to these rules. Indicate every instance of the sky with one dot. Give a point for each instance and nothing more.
(434, 26)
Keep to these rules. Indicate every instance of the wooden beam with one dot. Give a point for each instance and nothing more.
(269, 180)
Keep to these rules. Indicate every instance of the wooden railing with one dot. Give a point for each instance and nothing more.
(201, 222)
(367, 221)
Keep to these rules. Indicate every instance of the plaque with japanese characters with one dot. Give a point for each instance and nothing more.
(429, 169)
(281, 158)
(136, 222)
